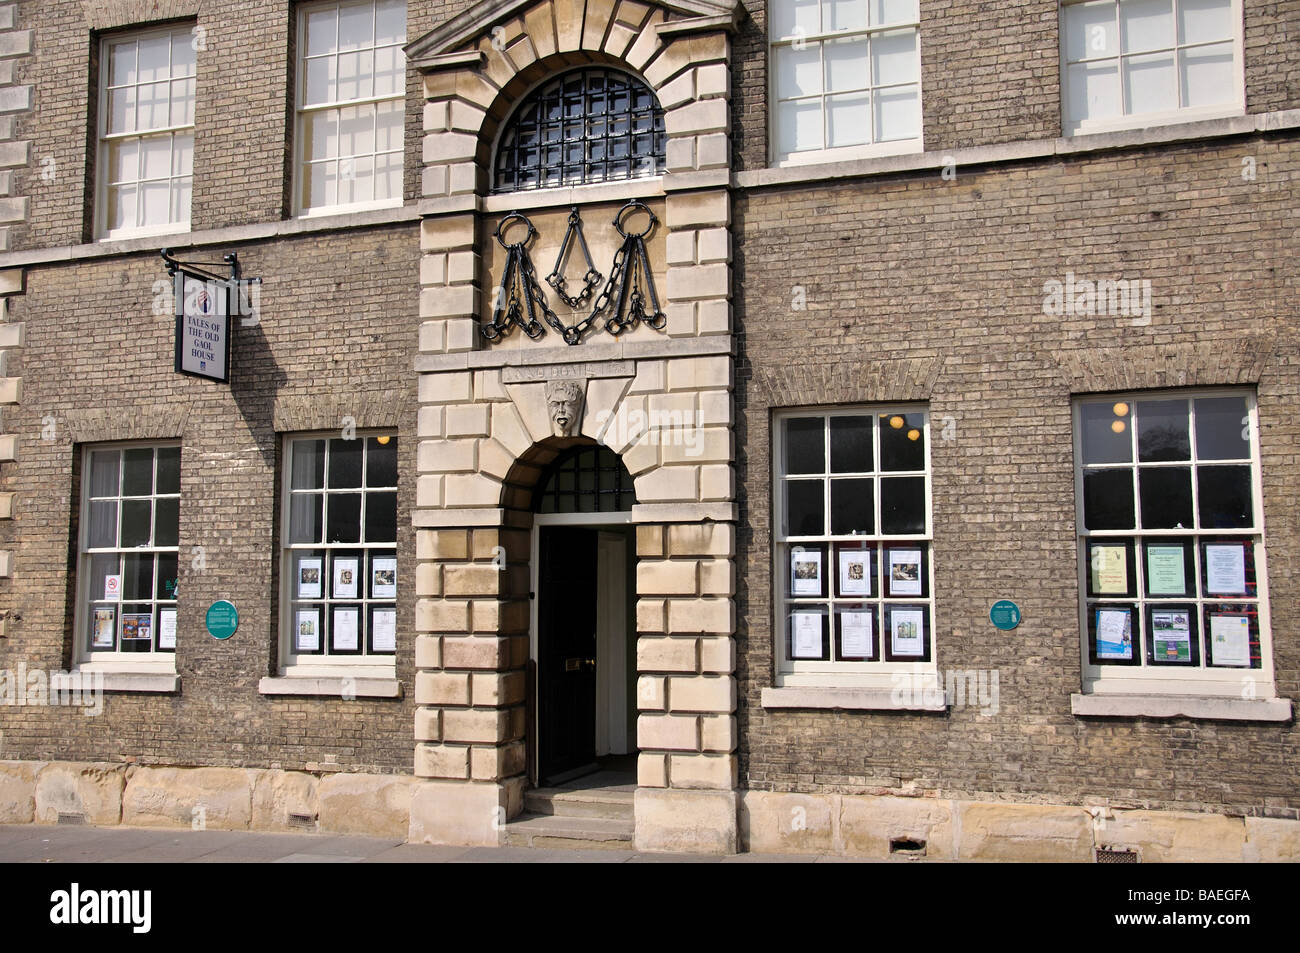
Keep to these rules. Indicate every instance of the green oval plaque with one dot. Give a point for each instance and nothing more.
(1005, 614)
(223, 619)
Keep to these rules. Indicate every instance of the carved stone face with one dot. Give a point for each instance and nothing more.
(564, 399)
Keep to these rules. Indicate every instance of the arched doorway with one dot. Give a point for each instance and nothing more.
(583, 631)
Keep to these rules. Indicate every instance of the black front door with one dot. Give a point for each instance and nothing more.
(566, 650)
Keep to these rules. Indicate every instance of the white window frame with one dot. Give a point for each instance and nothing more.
(301, 111)
(1070, 126)
(869, 150)
(1104, 679)
(104, 138)
(152, 662)
(878, 675)
(362, 665)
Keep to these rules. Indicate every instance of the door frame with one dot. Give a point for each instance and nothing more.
(540, 520)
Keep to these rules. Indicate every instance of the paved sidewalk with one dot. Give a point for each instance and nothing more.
(35, 844)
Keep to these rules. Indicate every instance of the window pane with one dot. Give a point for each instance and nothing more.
(136, 517)
(122, 207)
(1163, 432)
(851, 444)
(1207, 75)
(1224, 497)
(182, 104)
(305, 518)
(798, 72)
(356, 26)
(844, 14)
(846, 65)
(893, 58)
(183, 156)
(1090, 31)
(121, 110)
(344, 518)
(152, 105)
(345, 463)
(183, 53)
(166, 522)
(308, 464)
(1146, 25)
(1106, 436)
(1108, 499)
(388, 126)
(796, 16)
(319, 81)
(1203, 21)
(892, 11)
(390, 66)
(848, 120)
(1222, 428)
(381, 517)
(804, 508)
(101, 567)
(321, 33)
(155, 203)
(381, 462)
(155, 57)
(124, 161)
(356, 130)
(167, 576)
(1094, 90)
(103, 472)
(902, 442)
(103, 525)
(137, 473)
(390, 21)
(356, 75)
(897, 115)
(1149, 84)
(799, 126)
(805, 445)
(321, 134)
(156, 157)
(121, 63)
(356, 180)
(137, 576)
(902, 505)
(1166, 497)
(853, 507)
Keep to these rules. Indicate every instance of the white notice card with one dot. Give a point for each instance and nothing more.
(383, 630)
(345, 630)
(1230, 640)
(1225, 569)
(166, 628)
(807, 635)
(856, 635)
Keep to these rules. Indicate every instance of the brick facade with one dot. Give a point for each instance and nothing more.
(919, 278)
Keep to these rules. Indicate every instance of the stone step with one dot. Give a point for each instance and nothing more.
(593, 802)
(549, 830)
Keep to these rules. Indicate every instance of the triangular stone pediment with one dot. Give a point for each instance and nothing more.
(482, 16)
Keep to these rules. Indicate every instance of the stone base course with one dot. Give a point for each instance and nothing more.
(667, 820)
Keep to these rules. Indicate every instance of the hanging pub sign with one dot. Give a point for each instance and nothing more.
(205, 306)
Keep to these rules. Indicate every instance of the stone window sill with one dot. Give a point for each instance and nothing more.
(847, 699)
(336, 686)
(1180, 706)
(152, 682)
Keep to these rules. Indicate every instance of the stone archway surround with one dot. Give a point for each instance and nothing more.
(483, 428)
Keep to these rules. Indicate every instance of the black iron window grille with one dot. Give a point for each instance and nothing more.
(586, 480)
(587, 125)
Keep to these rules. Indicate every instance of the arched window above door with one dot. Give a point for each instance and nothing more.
(589, 479)
(587, 125)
